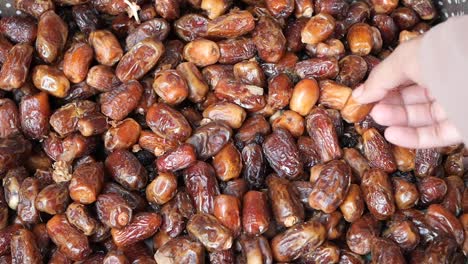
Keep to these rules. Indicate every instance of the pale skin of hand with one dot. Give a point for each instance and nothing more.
(404, 104)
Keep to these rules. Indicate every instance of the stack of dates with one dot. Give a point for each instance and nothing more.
(214, 131)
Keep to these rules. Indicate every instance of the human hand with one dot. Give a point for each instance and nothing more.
(413, 117)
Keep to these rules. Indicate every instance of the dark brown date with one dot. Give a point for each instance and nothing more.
(121, 100)
(234, 24)
(155, 28)
(10, 124)
(321, 129)
(377, 190)
(201, 184)
(236, 50)
(86, 183)
(291, 244)
(142, 226)
(52, 33)
(168, 123)
(125, 168)
(209, 139)
(255, 213)
(27, 211)
(282, 154)
(285, 203)
(361, 233)
(269, 39)
(426, 161)
(431, 189)
(69, 240)
(180, 250)
(79, 216)
(210, 232)
(24, 248)
(377, 151)
(319, 68)
(53, 199)
(15, 68)
(113, 211)
(385, 251)
(249, 97)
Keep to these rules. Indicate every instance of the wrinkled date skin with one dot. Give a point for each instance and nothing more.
(282, 154)
(385, 251)
(319, 68)
(431, 189)
(202, 186)
(255, 213)
(378, 194)
(254, 165)
(210, 232)
(269, 40)
(139, 60)
(68, 239)
(321, 129)
(378, 151)
(180, 250)
(250, 97)
(15, 68)
(168, 123)
(125, 168)
(331, 187)
(286, 206)
(142, 226)
(426, 161)
(9, 118)
(52, 33)
(24, 248)
(290, 244)
(122, 100)
(445, 223)
(209, 139)
(360, 234)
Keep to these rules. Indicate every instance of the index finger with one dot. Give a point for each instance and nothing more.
(398, 69)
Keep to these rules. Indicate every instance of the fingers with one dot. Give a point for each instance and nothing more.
(414, 115)
(438, 135)
(396, 70)
(413, 94)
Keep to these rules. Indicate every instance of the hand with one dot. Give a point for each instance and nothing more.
(413, 117)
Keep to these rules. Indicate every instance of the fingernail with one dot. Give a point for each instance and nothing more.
(358, 91)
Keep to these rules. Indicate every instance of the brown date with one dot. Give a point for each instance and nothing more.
(385, 251)
(406, 193)
(86, 183)
(76, 61)
(404, 158)
(170, 86)
(255, 213)
(121, 100)
(52, 33)
(453, 199)
(53, 199)
(155, 28)
(236, 50)
(133, 199)
(361, 233)
(227, 211)
(197, 87)
(79, 216)
(142, 226)
(113, 211)
(250, 97)
(34, 113)
(12, 152)
(154, 143)
(162, 189)
(168, 123)
(24, 248)
(27, 210)
(231, 25)
(86, 18)
(403, 233)
(431, 189)
(70, 241)
(445, 222)
(209, 139)
(51, 80)
(102, 78)
(201, 184)
(352, 206)
(139, 60)
(318, 29)
(307, 152)
(254, 165)
(64, 120)
(125, 168)
(33, 7)
(331, 187)
(453, 165)
(426, 161)
(178, 158)
(319, 68)
(249, 72)
(230, 113)
(210, 232)
(357, 163)
(227, 163)
(291, 244)
(377, 191)
(282, 154)
(269, 40)
(10, 124)
(122, 135)
(321, 129)
(106, 47)
(377, 151)
(15, 68)
(285, 203)
(424, 8)
(180, 250)
(405, 18)
(334, 95)
(192, 26)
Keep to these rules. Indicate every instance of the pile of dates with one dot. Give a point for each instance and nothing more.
(212, 131)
